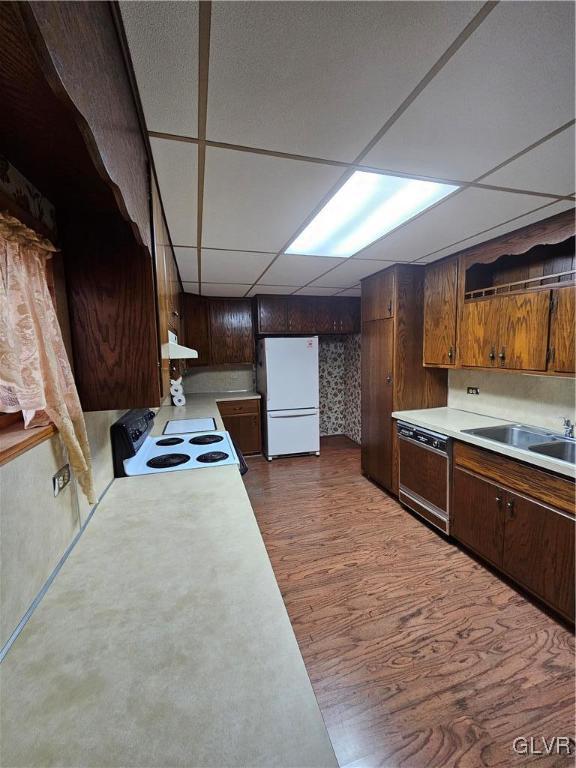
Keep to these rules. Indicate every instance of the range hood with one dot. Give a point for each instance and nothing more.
(174, 351)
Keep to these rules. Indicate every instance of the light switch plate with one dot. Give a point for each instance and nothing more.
(61, 479)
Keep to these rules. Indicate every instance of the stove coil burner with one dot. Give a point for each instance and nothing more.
(206, 439)
(211, 457)
(168, 460)
(170, 441)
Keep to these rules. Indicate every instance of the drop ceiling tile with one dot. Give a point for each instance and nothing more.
(187, 260)
(547, 168)
(317, 291)
(264, 289)
(233, 266)
(509, 85)
(320, 78)
(522, 221)
(349, 273)
(176, 166)
(257, 202)
(163, 42)
(190, 287)
(298, 270)
(224, 289)
(463, 215)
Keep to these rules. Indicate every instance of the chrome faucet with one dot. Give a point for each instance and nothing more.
(568, 427)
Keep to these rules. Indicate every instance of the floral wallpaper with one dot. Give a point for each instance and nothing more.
(352, 410)
(26, 195)
(339, 368)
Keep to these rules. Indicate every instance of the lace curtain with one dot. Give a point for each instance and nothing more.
(35, 375)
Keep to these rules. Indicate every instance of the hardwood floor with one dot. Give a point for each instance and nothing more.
(418, 655)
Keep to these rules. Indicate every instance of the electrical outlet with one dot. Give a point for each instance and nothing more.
(473, 391)
(61, 479)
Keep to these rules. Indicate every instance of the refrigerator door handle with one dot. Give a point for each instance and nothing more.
(291, 415)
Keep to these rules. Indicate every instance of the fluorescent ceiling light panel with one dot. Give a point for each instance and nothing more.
(364, 209)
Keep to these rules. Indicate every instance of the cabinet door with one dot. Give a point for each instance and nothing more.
(477, 515)
(562, 340)
(378, 296)
(377, 389)
(478, 333)
(440, 284)
(245, 431)
(196, 328)
(301, 315)
(539, 551)
(348, 311)
(523, 331)
(231, 337)
(272, 315)
(326, 310)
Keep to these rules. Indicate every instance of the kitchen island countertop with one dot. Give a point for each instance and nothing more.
(164, 640)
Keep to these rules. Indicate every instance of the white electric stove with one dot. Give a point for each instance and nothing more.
(135, 452)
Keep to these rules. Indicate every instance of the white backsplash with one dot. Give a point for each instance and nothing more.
(220, 379)
(540, 401)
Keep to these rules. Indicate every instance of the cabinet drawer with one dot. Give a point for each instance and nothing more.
(524, 478)
(238, 407)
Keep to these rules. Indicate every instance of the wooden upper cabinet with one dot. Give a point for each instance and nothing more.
(478, 334)
(539, 551)
(349, 311)
(523, 330)
(440, 291)
(378, 296)
(196, 328)
(293, 315)
(231, 332)
(508, 332)
(271, 314)
(324, 315)
(301, 314)
(562, 341)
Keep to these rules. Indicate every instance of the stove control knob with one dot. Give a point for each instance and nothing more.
(435, 443)
(135, 434)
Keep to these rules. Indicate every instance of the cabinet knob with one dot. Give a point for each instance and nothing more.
(502, 355)
(450, 353)
(510, 508)
(492, 354)
(498, 499)
(388, 379)
(390, 307)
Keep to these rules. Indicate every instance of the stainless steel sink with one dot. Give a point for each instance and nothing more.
(565, 450)
(513, 434)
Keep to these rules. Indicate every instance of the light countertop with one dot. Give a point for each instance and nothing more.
(451, 422)
(164, 640)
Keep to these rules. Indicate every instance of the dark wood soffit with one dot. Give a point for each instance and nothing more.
(42, 131)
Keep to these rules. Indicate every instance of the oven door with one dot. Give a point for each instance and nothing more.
(424, 481)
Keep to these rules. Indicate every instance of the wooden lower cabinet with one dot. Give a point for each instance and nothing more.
(477, 518)
(539, 551)
(530, 540)
(242, 419)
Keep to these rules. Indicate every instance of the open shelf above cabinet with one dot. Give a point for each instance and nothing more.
(541, 268)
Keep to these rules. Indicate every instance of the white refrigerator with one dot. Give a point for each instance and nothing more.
(287, 379)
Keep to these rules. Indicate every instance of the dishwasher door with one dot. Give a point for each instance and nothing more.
(424, 480)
